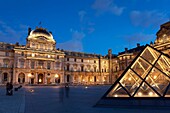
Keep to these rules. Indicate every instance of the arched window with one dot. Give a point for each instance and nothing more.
(5, 76)
(68, 66)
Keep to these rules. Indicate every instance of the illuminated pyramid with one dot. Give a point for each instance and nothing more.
(145, 81)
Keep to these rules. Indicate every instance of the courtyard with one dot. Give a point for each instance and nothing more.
(58, 99)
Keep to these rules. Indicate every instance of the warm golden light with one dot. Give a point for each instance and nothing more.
(91, 80)
(56, 76)
(140, 93)
(129, 79)
(48, 56)
(115, 95)
(33, 55)
(40, 80)
(146, 78)
(83, 80)
(155, 77)
(150, 93)
(97, 80)
(29, 75)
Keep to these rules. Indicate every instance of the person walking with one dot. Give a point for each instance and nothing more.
(10, 88)
(7, 88)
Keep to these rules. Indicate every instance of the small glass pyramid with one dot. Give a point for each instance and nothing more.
(147, 76)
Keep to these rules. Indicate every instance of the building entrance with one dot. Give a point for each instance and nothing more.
(40, 78)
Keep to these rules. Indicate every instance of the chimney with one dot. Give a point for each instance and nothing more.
(126, 50)
(29, 30)
(138, 45)
(110, 53)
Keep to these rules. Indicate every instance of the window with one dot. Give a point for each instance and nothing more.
(6, 53)
(5, 64)
(130, 56)
(41, 46)
(68, 67)
(57, 64)
(95, 69)
(116, 68)
(22, 54)
(21, 64)
(67, 59)
(5, 76)
(94, 61)
(82, 68)
(75, 60)
(32, 64)
(81, 60)
(58, 57)
(48, 65)
(41, 63)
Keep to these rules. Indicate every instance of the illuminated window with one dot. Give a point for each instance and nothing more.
(41, 63)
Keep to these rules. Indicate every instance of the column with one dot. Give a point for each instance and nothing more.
(26, 78)
(36, 78)
(45, 78)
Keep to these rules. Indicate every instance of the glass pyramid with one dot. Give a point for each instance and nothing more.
(147, 76)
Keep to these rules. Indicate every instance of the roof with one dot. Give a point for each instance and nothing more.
(137, 49)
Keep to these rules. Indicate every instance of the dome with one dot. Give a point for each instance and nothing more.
(41, 33)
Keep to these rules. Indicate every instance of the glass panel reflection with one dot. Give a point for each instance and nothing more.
(118, 91)
(145, 91)
(158, 81)
(130, 81)
(164, 65)
(141, 67)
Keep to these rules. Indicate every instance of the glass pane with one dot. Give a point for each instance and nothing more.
(141, 67)
(154, 52)
(130, 81)
(168, 92)
(118, 91)
(164, 64)
(145, 91)
(158, 81)
(150, 55)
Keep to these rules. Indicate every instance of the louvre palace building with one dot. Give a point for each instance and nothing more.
(40, 62)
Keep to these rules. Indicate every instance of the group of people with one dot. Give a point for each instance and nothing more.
(9, 88)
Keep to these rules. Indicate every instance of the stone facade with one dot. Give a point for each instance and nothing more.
(39, 62)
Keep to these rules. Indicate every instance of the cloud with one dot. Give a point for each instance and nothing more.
(148, 18)
(75, 44)
(102, 6)
(10, 35)
(82, 14)
(139, 38)
(86, 25)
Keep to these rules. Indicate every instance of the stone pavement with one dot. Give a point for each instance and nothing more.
(14, 103)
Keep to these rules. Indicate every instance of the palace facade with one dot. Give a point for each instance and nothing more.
(39, 62)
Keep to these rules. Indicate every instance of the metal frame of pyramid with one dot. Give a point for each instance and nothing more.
(146, 82)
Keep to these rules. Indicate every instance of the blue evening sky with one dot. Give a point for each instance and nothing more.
(91, 26)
